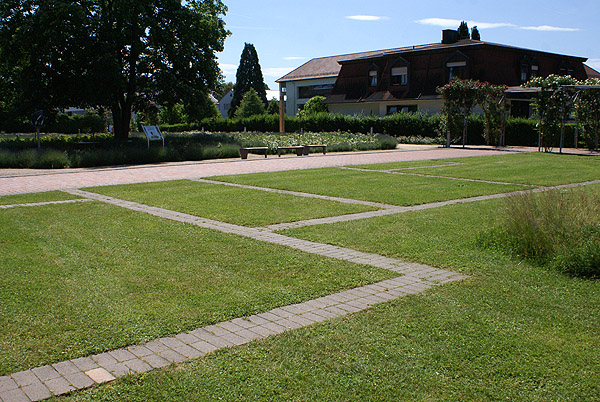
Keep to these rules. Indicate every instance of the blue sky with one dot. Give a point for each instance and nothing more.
(288, 33)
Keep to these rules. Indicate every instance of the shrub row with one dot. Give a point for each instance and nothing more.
(412, 127)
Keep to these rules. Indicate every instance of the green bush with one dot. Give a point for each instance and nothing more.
(557, 228)
(52, 159)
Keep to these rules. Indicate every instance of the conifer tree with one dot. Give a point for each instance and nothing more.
(249, 75)
(475, 33)
(463, 31)
(250, 105)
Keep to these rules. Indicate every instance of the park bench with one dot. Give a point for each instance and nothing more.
(299, 149)
(255, 150)
(308, 147)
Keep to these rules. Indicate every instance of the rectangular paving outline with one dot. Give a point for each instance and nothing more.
(68, 376)
(37, 204)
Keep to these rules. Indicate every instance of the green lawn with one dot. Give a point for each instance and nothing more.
(370, 186)
(229, 204)
(36, 197)
(527, 168)
(512, 331)
(77, 279)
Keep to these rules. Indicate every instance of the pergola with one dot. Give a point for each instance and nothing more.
(574, 91)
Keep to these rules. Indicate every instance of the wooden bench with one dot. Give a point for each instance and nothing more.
(255, 150)
(299, 149)
(308, 147)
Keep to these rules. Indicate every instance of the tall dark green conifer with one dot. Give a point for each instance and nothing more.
(249, 75)
(463, 31)
(475, 33)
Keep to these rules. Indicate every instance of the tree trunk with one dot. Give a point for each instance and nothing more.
(465, 131)
(121, 111)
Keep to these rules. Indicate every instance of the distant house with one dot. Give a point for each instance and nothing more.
(225, 103)
(383, 82)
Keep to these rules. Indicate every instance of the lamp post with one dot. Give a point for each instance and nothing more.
(37, 120)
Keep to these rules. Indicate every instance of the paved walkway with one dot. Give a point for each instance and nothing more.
(30, 181)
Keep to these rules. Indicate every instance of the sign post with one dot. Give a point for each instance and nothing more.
(153, 134)
(37, 119)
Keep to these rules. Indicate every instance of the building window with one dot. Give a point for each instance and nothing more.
(401, 109)
(373, 78)
(456, 69)
(399, 75)
(307, 92)
(534, 71)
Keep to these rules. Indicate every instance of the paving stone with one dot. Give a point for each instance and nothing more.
(171, 342)
(324, 313)
(118, 369)
(249, 335)
(139, 350)
(235, 338)
(284, 322)
(243, 323)
(349, 308)
(137, 365)
(25, 378)
(122, 355)
(79, 380)
(313, 317)
(188, 351)
(156, 346)
(85, 363)
(262, 331)
(336, 310)
(172, 356)
(156, 361)
(187, 338)
(268, 316)
(7, 383)
(204, 347)
(230, 326)
(217, 341)
(104, 359)
(14, 395)
(301, 320)
(59, 386)
(37, 392)
(45, 373)
(100, 375)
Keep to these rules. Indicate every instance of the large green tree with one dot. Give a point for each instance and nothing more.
(463, 31)
(120, 54)
(249, 75)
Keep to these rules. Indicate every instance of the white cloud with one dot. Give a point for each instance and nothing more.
(228, 68)
(550, 29)
(294, 58)
(452, 23)
(366, 17)
(276, 72)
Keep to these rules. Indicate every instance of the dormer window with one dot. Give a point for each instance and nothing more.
(529, 69)
(399, 75)
(373, 78)
(456, 69)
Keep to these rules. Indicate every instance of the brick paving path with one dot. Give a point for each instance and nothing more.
(26, 182)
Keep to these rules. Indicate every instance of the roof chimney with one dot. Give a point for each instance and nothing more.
(449, 36)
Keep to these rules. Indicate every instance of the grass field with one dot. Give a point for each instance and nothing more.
(532, 168)
(370, 186)
(36, 197)
(229, 204)
(80, 278)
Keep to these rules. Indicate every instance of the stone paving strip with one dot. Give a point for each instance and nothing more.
(67, 376)
(399, 210)
(37, 204)
(299, 194)
(395, 171)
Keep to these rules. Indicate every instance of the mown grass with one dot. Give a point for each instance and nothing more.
(229, 204)
(78, 279)
(36, 197)
(512, 331)
(526, 168)
(370, 186)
